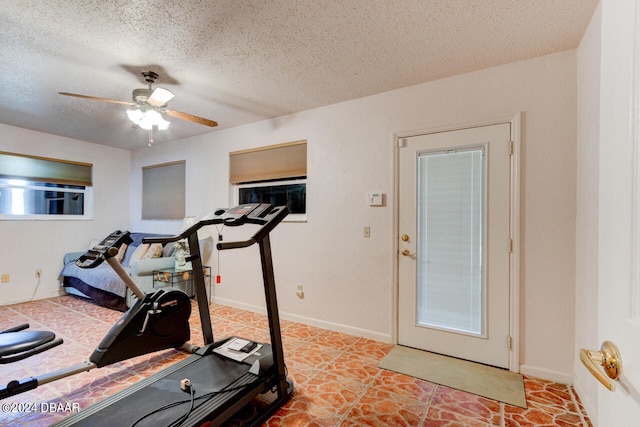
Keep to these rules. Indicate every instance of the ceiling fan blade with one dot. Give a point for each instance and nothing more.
(95, 98)
(191, 118)
(159, 97)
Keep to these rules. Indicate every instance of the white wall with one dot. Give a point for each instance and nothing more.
(30, 245)
(587, 219)
(349, 280)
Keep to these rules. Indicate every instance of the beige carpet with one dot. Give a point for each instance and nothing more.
(483, 380)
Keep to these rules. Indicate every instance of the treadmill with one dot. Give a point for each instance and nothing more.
(220, 378)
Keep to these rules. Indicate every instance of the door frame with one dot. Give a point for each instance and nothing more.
(514, 260)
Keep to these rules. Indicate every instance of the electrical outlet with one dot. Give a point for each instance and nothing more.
(367, 231)
(300, 292)
(38, 273)
(5, 278)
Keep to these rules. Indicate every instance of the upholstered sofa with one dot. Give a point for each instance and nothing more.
(103, 285)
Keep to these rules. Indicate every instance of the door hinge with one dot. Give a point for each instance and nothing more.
(510, 245)
(511, 148)
(509, 342)
(402, 142)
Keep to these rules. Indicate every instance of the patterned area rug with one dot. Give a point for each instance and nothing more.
(483, 380)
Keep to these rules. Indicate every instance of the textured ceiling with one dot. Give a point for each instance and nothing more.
(240, 61)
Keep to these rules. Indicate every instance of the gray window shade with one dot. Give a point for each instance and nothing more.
(280, 161)
(163, 191)
(42, 169)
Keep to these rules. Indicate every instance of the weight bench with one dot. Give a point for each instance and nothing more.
(17, 344)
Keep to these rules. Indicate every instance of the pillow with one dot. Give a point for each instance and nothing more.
(140, 251)
(154, 251)
(169, 249)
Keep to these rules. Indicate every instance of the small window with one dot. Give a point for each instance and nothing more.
(42, 188)
(276, 174)
(292, 193)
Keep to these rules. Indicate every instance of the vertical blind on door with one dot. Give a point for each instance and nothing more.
(451, 240)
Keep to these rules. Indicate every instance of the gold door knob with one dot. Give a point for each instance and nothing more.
(609, 358)
(405, 237)
(407, 252)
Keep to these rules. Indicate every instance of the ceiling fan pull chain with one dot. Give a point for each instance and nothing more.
(150, 137)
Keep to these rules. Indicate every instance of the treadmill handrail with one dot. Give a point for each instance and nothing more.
(235, 245)
(268, 222)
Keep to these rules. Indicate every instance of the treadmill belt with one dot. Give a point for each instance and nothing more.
(207, 374)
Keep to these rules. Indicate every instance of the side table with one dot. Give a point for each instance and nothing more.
(183, 280)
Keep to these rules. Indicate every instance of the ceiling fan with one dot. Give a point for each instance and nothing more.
(149, 104)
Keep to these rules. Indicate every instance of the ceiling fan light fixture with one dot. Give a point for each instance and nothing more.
(135, 115)
(147, 119)
(159, 97)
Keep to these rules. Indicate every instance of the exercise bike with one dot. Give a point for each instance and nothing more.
(223, 376)
(156, 321)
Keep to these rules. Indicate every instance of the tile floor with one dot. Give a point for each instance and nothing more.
(337, 381)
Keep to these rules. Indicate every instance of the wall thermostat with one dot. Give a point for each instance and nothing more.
(375, 199)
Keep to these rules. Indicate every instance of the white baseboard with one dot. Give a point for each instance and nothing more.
(545, 374)
(51, 294)
(590, 407)
(337, 327)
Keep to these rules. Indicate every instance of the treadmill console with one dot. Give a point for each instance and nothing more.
(94, 256)
(238, 215)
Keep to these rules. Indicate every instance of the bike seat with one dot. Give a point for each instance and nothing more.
(18, 345)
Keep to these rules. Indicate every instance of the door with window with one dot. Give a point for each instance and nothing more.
(455, 243)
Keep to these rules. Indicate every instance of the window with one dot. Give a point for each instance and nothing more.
(275, 174)
(451, 240)
(163, 191)
(42, 188)
(292, 193)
